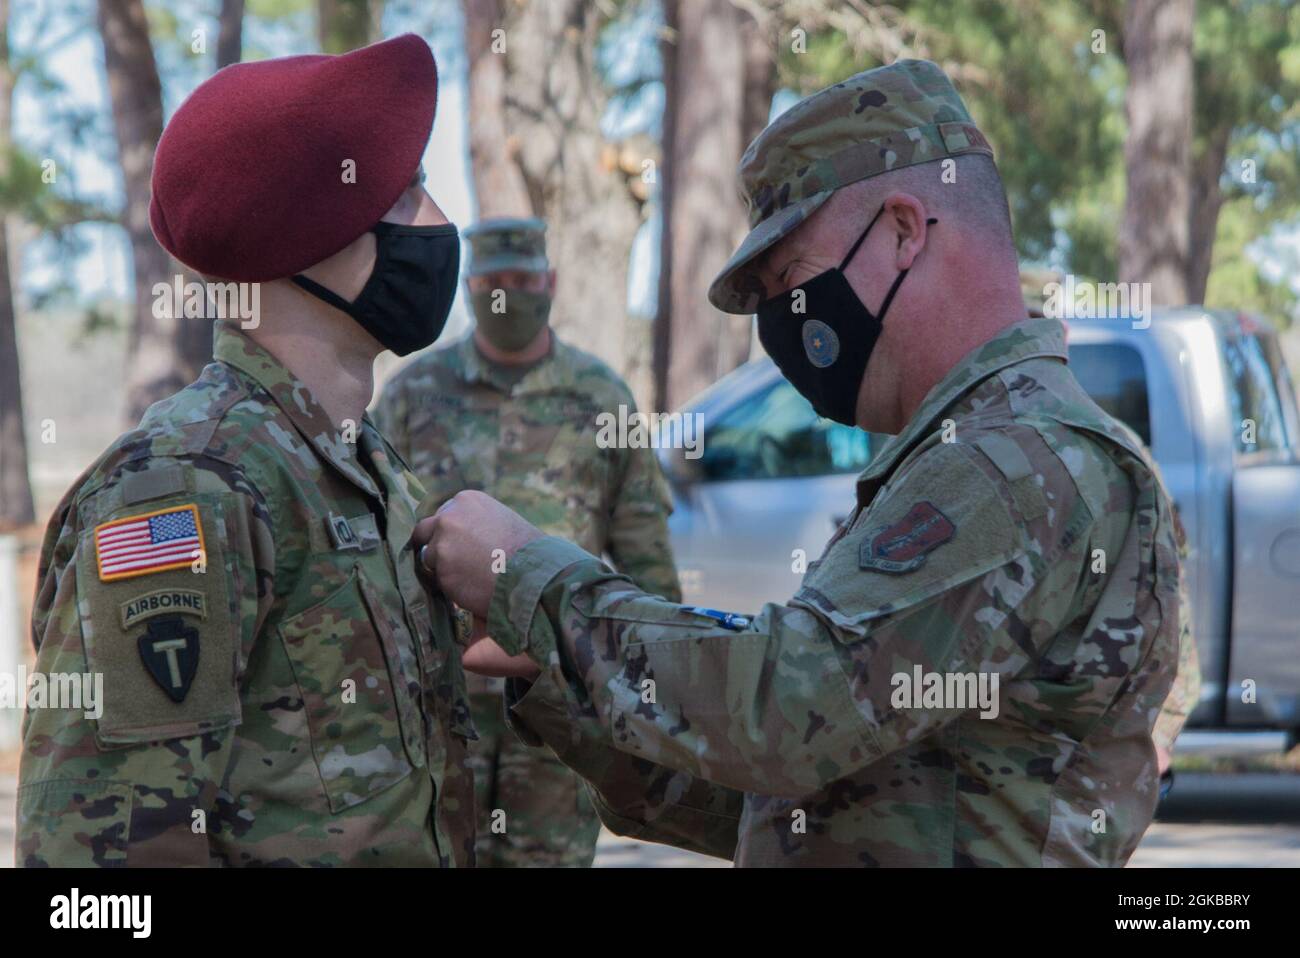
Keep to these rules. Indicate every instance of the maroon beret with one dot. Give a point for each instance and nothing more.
(248, 178)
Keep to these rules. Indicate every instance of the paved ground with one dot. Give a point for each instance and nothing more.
(6, 820)
(1231, 821)
(1224, 820)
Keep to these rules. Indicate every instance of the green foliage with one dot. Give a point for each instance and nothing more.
(1052, 150)
(349, 27)
(1236, 279)
(23, 192)
(1248, 90)
(1048, 90)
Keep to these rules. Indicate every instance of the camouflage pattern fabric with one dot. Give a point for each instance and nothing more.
(1185, 694)
(506, 243)
(884, 119)
(1035, 545)
(530, 441)
(327, 716)
(532, 810)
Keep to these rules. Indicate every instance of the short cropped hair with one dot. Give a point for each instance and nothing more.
(970, 192)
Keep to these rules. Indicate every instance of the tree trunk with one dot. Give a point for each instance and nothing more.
(15, 486)
(714, 47)
(1207, 200)
(1153, 239)
(499, 187)
(194, 345)
(344, 25)
(230, 33)
(156, 366)
(552, 105)
(194, 338)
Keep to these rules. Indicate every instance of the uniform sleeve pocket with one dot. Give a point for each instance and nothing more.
(73, 822)
(155, 589)
(343, 675)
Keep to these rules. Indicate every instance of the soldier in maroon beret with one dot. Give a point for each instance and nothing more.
(278, 687)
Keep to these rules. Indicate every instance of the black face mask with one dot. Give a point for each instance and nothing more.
(405, 302)
(824, 347)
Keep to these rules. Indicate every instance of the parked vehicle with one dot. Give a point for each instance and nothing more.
(1208, 392)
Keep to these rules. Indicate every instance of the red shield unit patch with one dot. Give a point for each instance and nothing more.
(903, 546)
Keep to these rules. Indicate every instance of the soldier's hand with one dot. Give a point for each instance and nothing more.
(1164, 757)
(469, 540)
(485, 657)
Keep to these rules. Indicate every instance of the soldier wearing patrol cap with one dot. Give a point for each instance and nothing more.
(971, 672)
(279, 688)
(511, 410)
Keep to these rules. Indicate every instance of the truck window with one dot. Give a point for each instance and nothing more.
(1257, 422)
(1285, 391)
(1114, 376)
(774, 434)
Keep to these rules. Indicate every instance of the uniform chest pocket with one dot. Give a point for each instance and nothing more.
(343, 674)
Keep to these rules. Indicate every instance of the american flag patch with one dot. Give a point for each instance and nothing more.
(153, 542)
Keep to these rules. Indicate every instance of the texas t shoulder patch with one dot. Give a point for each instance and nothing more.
(903, 546)
(147, 543)
(170, 651)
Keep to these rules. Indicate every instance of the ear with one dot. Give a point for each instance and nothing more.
(550, 283)
(907, 217)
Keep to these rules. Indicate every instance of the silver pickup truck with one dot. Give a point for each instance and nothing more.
(1206, 390)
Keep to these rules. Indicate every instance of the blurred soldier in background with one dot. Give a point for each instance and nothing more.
(510, 410)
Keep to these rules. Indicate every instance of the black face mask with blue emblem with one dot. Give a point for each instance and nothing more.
(820, 336)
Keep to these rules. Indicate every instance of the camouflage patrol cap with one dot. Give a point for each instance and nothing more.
(507, 243)
(881, 120)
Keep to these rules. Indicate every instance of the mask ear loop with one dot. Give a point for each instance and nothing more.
(320, 292)
(898, 280)
(847, 259)
(333, 298)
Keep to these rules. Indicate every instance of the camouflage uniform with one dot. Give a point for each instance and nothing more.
(463, 422)
(315, 713)
(1185, 693)
(1011, 530)
(997, 533)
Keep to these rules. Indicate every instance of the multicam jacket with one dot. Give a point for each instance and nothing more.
(279, 688)
(1011, 531)
(532, 445)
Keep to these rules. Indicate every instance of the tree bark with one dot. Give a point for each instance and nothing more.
(1207, 201)
(549, 128)
(230, 33)
(713, 47)
(499, 186)
(194, 344)
(1154, 235)
(16, 507)
(156, 363)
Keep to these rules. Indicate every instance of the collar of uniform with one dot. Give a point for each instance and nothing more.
(541, 375)
(1024, 340)
(233, 347)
